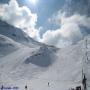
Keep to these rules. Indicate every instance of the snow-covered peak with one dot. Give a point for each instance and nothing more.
(17, 34)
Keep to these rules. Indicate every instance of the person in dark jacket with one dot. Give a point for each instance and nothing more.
(48, 83)
(26, 87)
(2, 87)
(84, 82)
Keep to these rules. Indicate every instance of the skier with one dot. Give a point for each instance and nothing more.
(84, 82)
(72, 89)
(48, 83)
(26, 87)
(2, 87)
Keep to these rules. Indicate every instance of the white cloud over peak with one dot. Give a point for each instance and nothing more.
(20, 17)
(69, 31)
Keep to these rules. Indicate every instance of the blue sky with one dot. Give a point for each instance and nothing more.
(44, 9)
(54, 22)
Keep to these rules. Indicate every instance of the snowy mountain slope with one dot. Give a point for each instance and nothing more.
(39, 64)
(17, 34)
(17, 68)
(7, 45)
(66, 72)
(36, 67)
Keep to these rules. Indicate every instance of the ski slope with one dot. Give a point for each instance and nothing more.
(24, 61)
(63, 73)
(7, 45)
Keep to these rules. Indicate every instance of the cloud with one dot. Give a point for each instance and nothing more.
(72, 21)
(69, 31)
(20, 17)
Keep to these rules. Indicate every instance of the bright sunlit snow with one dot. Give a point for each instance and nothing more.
(41, 64)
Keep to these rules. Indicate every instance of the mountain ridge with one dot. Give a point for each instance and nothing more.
(17, 34)
(39, 64)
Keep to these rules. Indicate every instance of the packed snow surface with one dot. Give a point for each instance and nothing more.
(39, 66)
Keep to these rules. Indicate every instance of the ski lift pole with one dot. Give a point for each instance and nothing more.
(84, 80)
(82, 73)
(86, 43)
(84, 62)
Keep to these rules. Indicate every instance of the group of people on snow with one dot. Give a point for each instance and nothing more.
(84, 85)
(77, 88)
